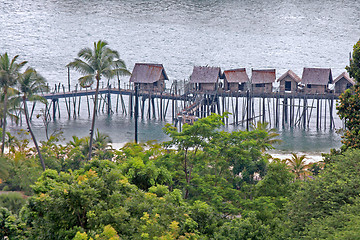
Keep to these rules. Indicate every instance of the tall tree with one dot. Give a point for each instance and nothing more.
(190, 141)
(30, 83)
(349, 104)
(354, 68)
(9, 72)
(94, 64)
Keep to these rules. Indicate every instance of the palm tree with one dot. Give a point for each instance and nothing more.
(298, 165)
(30, 82)
(271, 137)
(102, 145)
(11, 105)
(95, 63)
(9, 72)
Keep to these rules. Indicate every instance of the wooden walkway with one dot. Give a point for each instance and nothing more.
(90, 92)
(286, 109)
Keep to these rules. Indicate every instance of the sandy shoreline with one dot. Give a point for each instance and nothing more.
(310, 157)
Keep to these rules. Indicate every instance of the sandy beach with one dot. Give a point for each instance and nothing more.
(310, 157)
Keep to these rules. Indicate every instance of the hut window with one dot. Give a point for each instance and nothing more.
(287, 86)
(260, 85)
(309, 86)
(348, 85)
(155, 84)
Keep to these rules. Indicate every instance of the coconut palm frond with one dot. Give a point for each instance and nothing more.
(86, 81)
(34, 98)
(81, 66)
(298, 165)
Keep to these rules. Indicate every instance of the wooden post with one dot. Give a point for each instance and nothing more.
(331, 111)
(136, 112)
(161, 107)
(54, 108)
(67, 107)
(325, 114)
(286, 109)
(223, 105)
(320, 118)
(317, 112)
(78, 106)
(131, 104)
(149, 107)
(247, 109)
(304, 112)
(143, 99)
(237, 110)
(88, 103)
(109, 102)
(74, 102)
(263, 109)
(277, 111)
(153, 107)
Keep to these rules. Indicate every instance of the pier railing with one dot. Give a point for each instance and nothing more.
(179, 101)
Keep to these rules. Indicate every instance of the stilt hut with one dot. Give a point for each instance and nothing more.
(343, 82)
(289, 82)
(316, 80)
(235, 80)
(205, 78)
(262, 80)
(149, 77)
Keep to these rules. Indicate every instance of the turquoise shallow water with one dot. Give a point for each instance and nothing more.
(281, 34)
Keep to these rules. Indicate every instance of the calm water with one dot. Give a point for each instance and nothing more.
(288, 34)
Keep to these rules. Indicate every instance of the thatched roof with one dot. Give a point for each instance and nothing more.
(148, 73)
(205, 74)
(346, 76)
(290, 74)
(263, 76)
(317, 76)
(236, 75)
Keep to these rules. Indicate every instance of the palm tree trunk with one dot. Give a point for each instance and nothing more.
(4, 121)
(94, 116)
(32, 134)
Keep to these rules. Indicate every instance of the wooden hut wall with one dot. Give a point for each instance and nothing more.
(158, 86)
(208, 86)
(262, 88)
(293, 84)
(233, 87)
(315, 89)
(342, 85)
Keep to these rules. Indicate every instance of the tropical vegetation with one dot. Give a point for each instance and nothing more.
(203, 183)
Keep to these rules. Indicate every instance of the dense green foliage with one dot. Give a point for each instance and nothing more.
(202, 184)
(349, 104)
(354, 68)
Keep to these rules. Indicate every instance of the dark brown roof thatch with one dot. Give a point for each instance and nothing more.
(263, 76)
(148, 73)
(205, 74)
(317, 76)
(292, 75)
(236, 75)
(346, 76)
